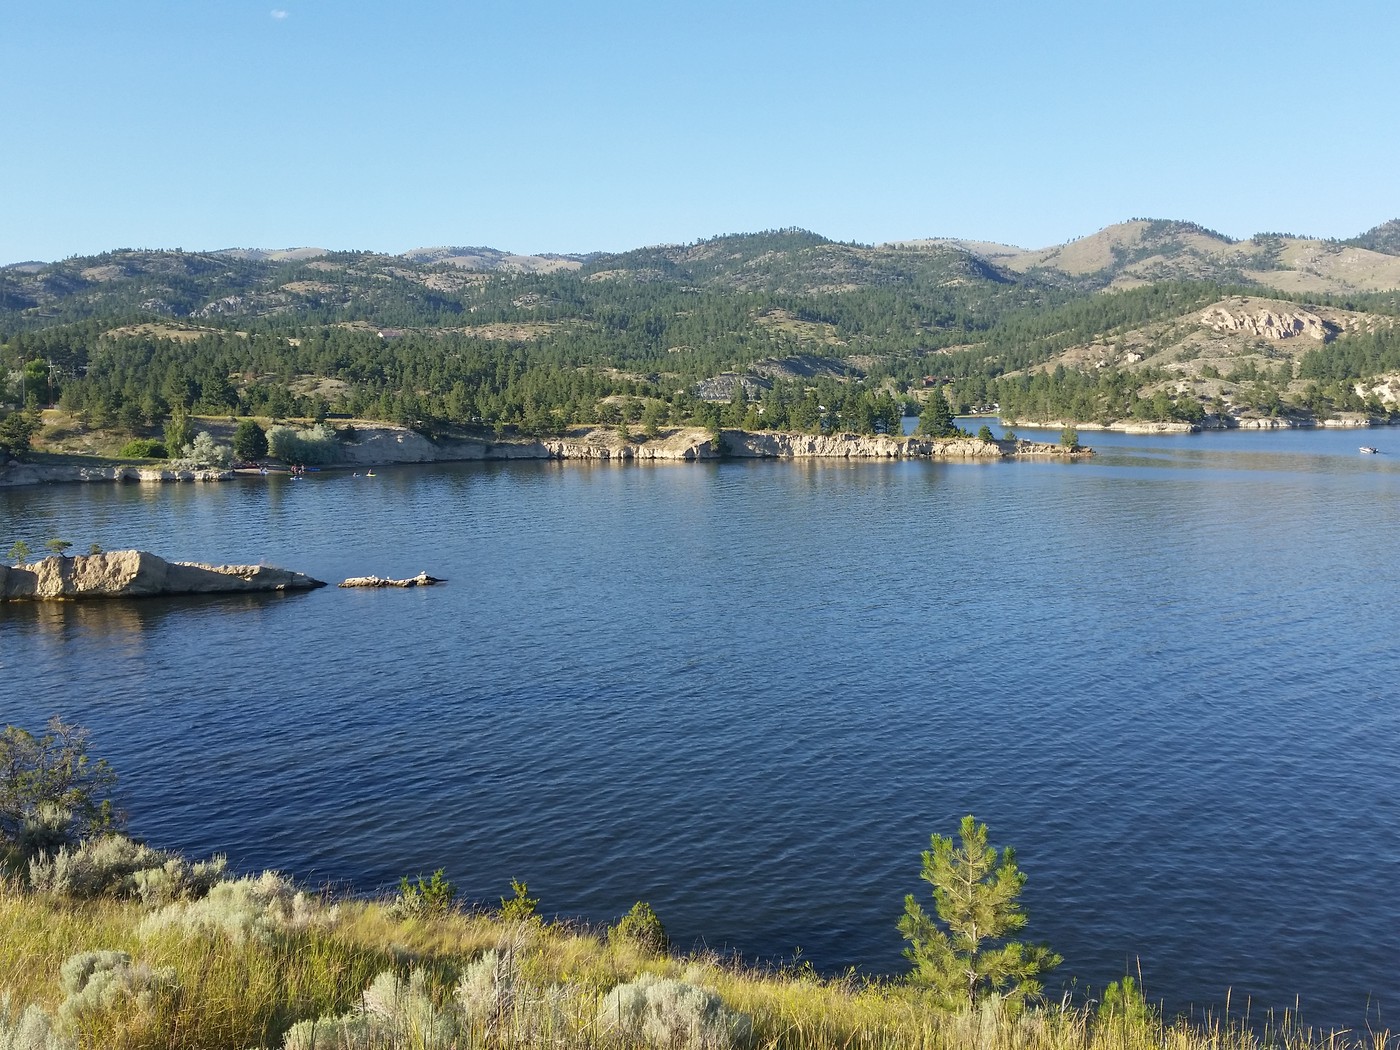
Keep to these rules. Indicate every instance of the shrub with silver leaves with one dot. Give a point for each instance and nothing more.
(204, 451)
(116, 866)
(393, 1012)
(661, 1011)
(498, 1005)
(317, 444)
(30, 1029)
(245, 908)
(94, 982)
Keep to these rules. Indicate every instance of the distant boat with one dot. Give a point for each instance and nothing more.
(371, 474)
(1369, 450)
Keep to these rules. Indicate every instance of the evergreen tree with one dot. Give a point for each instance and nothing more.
(936, 420)
(179, 430)
(965, 956)
(16, 429)
(249, 441)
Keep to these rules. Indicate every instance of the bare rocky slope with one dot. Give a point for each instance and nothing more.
(1240, 336)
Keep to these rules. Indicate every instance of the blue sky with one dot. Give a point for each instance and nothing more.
(543, 125)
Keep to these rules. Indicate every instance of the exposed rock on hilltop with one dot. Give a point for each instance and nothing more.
(1225, 335)
(1267, 324)
(137, 574)
(494, 259)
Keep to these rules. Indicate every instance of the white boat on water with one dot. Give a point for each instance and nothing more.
(1369, 450)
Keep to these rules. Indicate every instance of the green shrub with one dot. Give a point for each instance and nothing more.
(521, 907)
(143, 448)
(984, 433)
(1124, 1007)
(52, 792)
(1069, 438)
(315, 445)
(641, 927)
(433, 896)
(179, 429)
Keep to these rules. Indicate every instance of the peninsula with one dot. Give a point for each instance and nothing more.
(364, 444)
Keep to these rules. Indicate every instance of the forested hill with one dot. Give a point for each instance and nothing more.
(781, 329)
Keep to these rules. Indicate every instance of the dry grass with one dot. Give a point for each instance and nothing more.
(174, 330)
(236, 993)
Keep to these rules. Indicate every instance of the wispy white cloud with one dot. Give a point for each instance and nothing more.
(278, 13)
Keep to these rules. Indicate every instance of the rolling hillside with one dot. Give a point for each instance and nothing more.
(1146, 251)
(1157, 318)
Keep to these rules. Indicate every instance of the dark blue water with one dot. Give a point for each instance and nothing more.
(748, 693)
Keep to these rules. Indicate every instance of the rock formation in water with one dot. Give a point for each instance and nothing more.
(421, 580)
(137, 574)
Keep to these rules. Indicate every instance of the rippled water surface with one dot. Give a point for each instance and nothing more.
(748, 692)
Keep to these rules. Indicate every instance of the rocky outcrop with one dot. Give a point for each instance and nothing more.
(421, 580)
(687, 444)
(1265, 322)
(36, 474)
(680, 446)
(376, 445)
(762, 445)
(137, 574)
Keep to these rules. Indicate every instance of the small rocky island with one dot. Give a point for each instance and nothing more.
(138, 574)
(421, 580)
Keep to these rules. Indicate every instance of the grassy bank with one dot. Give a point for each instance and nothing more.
(241, 966)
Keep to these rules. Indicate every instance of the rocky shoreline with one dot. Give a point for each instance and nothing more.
(139, 574)
(389, 445)
(16, 473)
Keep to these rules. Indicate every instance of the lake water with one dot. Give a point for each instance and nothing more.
(748, 693)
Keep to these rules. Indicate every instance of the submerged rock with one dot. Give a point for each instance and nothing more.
(138, 574)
